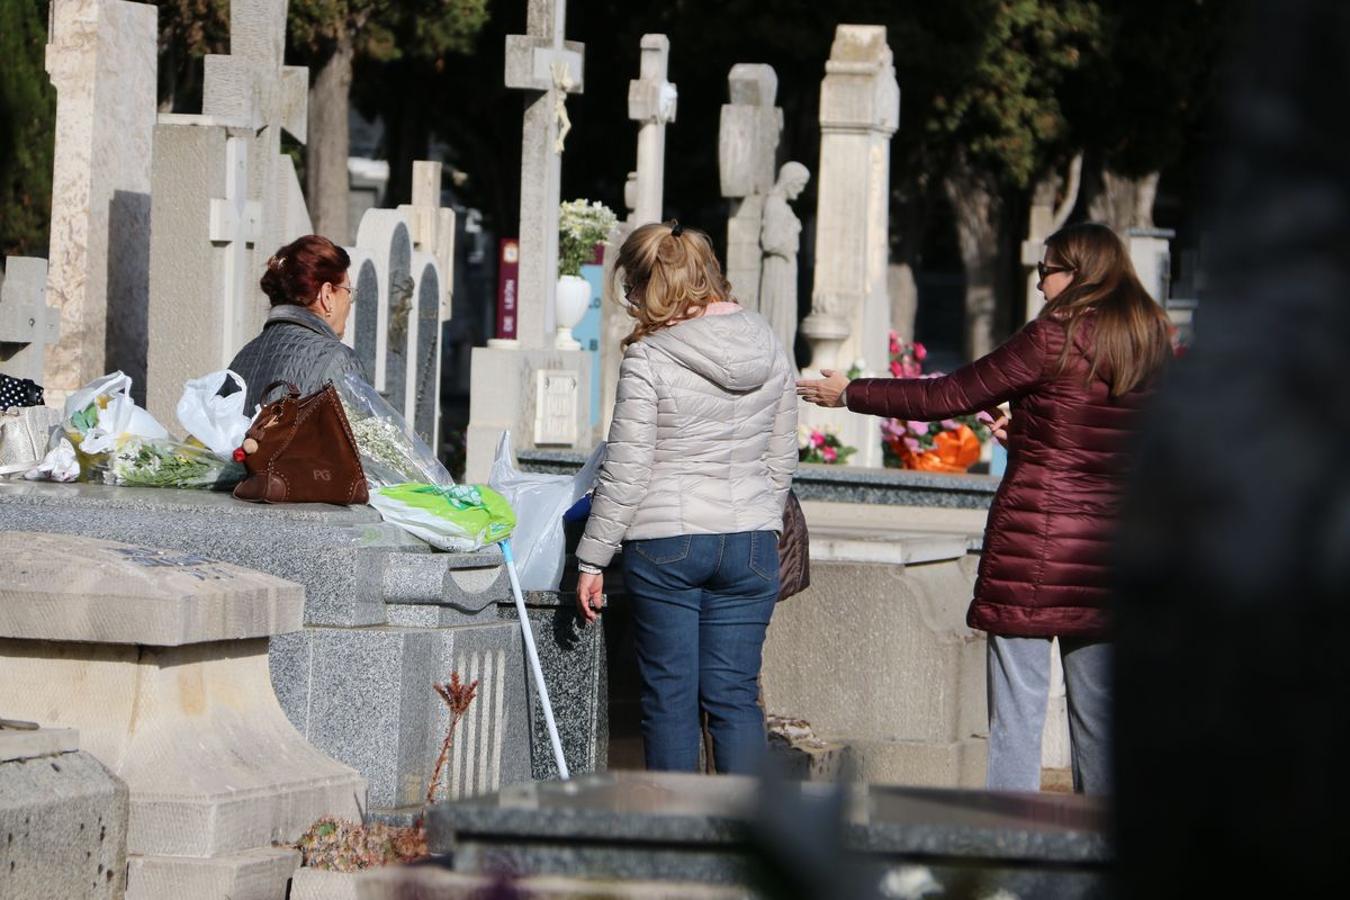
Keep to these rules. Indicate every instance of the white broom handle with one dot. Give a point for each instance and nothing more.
(533, 656)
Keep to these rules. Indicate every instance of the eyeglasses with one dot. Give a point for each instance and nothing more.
(1043, 270)
(351, 291)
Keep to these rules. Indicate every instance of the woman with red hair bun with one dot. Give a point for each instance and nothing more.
(301, 342)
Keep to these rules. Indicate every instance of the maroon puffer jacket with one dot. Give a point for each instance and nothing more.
(1047, 545)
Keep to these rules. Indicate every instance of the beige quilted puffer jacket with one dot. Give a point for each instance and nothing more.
(704, 436)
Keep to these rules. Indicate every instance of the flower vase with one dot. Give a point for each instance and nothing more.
(572, 299)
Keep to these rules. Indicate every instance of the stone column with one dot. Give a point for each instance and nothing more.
(652, 102)
(850, 311)
(1151, 252)
(101, 56)
(747, 151)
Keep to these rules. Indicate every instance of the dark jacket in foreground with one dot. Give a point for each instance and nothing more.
(296, 346)
(1046, 568)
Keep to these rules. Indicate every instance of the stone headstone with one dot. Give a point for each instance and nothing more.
(747, 152)
(27, 324)
(224, 198)
(850, 311)
(652, 102)
(159, 658)
(63, 817)
(1151, 254)
(101, 56)
(780, 236)
(547, 68)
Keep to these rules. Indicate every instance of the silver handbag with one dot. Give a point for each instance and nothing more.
(24, 432)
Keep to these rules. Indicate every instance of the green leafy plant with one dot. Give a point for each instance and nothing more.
(581, 226)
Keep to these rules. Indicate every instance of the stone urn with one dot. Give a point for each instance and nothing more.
(572, 300)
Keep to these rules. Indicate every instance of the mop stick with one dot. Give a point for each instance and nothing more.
(533, 656)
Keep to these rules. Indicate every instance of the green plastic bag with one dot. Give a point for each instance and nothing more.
(448, 517)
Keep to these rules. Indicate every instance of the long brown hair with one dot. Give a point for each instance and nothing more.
(1130, 334)
(669, 273)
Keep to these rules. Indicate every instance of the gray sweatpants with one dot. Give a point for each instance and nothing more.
(1019, 691)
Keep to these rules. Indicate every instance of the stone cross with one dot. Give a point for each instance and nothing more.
(850, 309)
(101, 57)
(548, 68)
(27, 323)
(651, 101)
(432, 226)
(253, 87)
(746, 155)
(233, 227)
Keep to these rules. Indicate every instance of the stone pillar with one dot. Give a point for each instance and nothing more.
(747, 153)
(652, 102)
(1151, 252)
(101, 56)
(548, 68)
(850, 311)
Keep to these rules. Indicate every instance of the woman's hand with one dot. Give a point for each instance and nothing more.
(827, 391)
(590, 595)
(999, 429)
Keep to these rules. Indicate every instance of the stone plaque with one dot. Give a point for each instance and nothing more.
(555, 412)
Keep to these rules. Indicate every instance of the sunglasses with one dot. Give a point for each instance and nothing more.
(1043, 270)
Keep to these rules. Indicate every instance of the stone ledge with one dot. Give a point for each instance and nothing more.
(18, 745)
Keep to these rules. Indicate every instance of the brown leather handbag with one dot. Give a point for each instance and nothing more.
(302, 451)
(794, 551)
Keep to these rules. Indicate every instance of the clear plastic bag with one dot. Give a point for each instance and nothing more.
(217, 422)
(540, 501)
(455, 517)
(164, 462)
(391, 452)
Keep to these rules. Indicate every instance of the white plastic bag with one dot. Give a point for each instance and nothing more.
(102, 412)
(218, 422)
(540, 501)
(59, 464)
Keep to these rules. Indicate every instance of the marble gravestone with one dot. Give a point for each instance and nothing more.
(159, 658)
(511, 381)
(716, 829)
(224, 198)
(652, 102)
(747, 151)
(101, 56)
(850, 312)
(780, 236)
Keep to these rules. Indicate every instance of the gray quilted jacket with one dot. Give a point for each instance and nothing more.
(295, 346)
(704, 436)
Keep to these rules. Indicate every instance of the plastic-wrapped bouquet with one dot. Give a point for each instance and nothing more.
(164, 462)
(391, 452)
(951, 445)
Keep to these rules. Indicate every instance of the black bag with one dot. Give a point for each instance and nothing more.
(21, 392)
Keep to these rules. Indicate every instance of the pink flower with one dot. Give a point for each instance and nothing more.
(817, 439)
(920, 352)
(919, 428)
(829, 455)
(950, 424)
(894, 343)
(891, 428)
(910, 369)
(912, 444)
(983, 417)
(896, 369)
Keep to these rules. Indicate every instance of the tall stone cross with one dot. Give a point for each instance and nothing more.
(254, 88)
(233, 226)
(651, 102)
(747, 150)
(548, 68)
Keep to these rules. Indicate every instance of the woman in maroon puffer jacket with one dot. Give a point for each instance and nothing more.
(1077, 378)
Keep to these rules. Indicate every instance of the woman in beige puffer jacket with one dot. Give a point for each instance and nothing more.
(702, 450)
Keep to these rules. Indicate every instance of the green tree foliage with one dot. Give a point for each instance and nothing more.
(384, 30)
(27, 120)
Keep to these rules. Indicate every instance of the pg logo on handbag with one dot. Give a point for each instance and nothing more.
(323, 475)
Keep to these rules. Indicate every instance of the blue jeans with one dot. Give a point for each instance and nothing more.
(701, 606)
